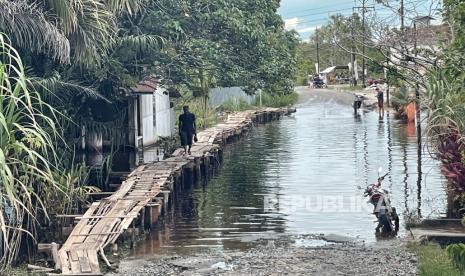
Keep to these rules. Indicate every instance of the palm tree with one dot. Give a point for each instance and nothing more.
(81, 31)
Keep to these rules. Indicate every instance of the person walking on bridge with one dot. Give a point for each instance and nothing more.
(187, 129)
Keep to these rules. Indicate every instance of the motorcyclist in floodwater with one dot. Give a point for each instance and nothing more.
(388, 221)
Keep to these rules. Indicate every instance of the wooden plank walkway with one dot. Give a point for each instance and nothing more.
(107, 219)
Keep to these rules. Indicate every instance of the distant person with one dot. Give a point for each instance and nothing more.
(187, 129)
(380, 97)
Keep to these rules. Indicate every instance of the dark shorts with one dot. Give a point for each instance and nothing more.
(380, 104)
(186, 138)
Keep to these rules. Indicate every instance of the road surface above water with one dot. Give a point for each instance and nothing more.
(300, 177)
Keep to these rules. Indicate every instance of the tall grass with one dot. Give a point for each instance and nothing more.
(235, 104)
(277, 100)
(434, 261)
(28, 133)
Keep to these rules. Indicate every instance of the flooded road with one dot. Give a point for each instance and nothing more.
(301, 176)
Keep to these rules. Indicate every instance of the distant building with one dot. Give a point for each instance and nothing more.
(421, 40)
(424, 21)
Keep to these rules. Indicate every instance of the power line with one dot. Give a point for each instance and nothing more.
(312, 9)
(318, 13)
(324, 19)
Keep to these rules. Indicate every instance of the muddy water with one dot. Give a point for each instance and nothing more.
(301, 175)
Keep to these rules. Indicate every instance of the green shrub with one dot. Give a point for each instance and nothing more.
(169, 144)
(457, 254)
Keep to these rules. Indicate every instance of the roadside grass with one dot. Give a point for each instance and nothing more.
(278, 100)
(433, 260)
(234, 104)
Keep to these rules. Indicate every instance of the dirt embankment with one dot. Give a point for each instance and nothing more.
(283, 258)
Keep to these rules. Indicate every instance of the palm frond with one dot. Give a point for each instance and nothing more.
(56, 85)
(142, 43)
(28, 28)
(129, 6)
(95, 32)
(65, 13)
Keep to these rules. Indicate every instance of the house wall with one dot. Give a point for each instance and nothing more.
(147, 120)
(156, 115)
(164, 121)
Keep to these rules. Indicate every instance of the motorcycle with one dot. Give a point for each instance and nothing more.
(388, 220)
(319, 83)
(358, 102)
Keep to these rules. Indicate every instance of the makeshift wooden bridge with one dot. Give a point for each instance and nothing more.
(140, 198)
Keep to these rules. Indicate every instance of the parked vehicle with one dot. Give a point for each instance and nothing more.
(371, 82)
(388, 220)
(318, 82)
(358, 102)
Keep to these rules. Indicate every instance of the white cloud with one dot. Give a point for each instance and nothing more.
(291, 23)
(306, 29)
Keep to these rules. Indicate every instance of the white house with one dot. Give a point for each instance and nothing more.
(151, 113)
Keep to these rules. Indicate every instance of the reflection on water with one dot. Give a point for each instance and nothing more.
(301, 175)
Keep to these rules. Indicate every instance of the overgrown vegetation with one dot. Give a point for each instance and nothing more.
(29, 134)
(445, 101)
(457, 254)
(169, 144)
(234, 104)
(277, 100)
(434, 260)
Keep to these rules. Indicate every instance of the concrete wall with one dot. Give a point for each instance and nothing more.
(218, 96)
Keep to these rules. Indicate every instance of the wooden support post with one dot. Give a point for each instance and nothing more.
(189, 176)
(220, 155)
(206, 168)
(153, 211)
(142, 219)
(197, 171)
(166, 196)
(114, 249)
(148, 217)
(52, 250)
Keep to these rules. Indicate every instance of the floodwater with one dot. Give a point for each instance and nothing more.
(302, 176)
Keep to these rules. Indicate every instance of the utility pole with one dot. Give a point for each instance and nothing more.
(317, 52)
(401, 11)
(417, 98)
(364, 8)
(363, 44)
(352, 54)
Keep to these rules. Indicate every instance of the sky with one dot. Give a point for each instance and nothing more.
(305, 16)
